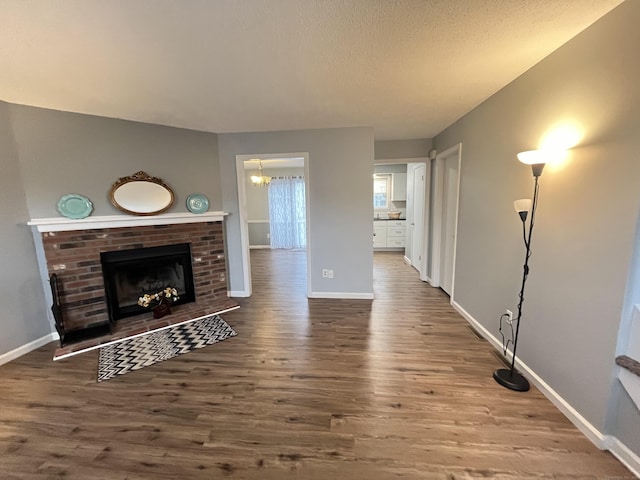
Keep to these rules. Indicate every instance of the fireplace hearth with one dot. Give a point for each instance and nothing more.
(129, 274)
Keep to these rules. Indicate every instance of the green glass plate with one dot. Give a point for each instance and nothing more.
(197, 203)
(75, 206)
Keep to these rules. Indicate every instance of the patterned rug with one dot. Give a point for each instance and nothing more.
(139, 352)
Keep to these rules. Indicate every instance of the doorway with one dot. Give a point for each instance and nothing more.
(254, 219)
(413, 206)
(445, 218)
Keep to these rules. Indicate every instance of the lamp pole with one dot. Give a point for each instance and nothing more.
(510, 378)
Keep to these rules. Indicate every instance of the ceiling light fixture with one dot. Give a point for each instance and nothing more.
(260, 180)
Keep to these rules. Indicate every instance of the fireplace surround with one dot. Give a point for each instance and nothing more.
(72, 250)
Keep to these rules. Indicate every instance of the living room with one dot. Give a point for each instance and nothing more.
(585, 272)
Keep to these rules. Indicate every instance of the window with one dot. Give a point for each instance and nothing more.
(381, 191)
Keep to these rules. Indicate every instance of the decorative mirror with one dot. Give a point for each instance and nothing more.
(141, 194)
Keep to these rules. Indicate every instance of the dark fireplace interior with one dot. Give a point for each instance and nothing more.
(129, 274)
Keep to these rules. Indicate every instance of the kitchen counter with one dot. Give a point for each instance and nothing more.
(386, 219)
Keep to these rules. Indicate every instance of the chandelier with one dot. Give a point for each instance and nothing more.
(260, 180)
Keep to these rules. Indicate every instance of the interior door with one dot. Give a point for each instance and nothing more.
(449, 215)
(417, 224)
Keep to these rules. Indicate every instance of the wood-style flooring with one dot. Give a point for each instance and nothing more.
(397, 388)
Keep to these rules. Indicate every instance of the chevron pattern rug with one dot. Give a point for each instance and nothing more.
(139, 352)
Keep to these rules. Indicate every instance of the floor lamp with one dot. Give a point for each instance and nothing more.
(509, 377)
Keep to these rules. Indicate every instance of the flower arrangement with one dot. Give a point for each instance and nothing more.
(168, 295)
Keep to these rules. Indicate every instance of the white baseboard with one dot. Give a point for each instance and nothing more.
(342, 295)
(604, 442)
(29, 347)
(591, 432)
(622, 453)
(238, 293)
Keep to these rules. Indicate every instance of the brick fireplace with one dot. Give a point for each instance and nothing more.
(72, 249)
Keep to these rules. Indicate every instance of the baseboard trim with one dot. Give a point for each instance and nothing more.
(622, 453)
(238, 293)
(591, 432)
(29, 347)
(342, 295)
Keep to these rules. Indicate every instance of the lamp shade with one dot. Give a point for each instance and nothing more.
(536, 158)
(522, 205)
(532, 157)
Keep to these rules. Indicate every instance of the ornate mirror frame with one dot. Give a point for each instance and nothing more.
(141, 194)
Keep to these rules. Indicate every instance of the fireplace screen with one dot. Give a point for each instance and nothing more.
(129, 274)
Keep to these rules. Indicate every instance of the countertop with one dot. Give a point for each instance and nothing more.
(386, 219)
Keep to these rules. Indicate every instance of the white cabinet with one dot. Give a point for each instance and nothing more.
(398, 187)
(389, 234)
(396, 233)
(379, 234)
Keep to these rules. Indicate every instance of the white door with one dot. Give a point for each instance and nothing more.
(449, 214)
(417, 224)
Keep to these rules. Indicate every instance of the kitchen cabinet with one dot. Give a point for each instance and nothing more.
(379, 234)
(398, 187)
(389, 234)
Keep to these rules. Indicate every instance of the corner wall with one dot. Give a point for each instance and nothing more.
(23, 315)
(584, 235)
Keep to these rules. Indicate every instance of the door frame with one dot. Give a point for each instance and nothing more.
(422, 267)
(244, 223)
(437, 250)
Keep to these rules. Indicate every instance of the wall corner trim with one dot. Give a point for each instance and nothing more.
(28, 347)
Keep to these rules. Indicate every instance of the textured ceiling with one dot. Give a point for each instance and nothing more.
(409, 68)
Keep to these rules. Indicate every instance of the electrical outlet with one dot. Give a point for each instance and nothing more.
(329, 273)
(509, 313)
(326, 273)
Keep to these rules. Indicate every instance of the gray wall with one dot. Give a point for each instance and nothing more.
(23, 316)
(62, 152)
(584, 235)
(414, 148)
(340, 189)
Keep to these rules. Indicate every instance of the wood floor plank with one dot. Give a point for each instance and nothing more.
(395, 388)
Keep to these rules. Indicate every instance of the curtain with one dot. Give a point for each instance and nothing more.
(287, 213)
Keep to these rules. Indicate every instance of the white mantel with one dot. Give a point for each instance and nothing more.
(62, 224)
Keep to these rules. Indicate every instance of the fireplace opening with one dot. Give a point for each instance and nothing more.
(129, 274)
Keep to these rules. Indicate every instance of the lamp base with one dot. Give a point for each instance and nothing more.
(512, 381)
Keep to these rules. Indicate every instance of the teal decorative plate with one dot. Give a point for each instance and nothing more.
(197, 203)
(75, 206)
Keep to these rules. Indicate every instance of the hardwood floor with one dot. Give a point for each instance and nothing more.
(309, 389)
